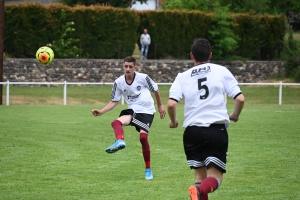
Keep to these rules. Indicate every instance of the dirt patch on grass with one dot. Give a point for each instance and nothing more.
(25, 100)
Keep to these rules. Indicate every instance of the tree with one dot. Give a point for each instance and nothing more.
(243, 6)
(283, 6)
(114, 3)
(292, 61)
(223, 40)
(203, 5)
(64, 46)
(221, 35)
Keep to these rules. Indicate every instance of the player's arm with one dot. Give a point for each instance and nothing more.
(238, 106)
(175, 94)
(233, 90)
(172, 107)
(107, 108)
(160, 106)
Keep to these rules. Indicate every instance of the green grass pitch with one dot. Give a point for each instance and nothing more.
(58, 152)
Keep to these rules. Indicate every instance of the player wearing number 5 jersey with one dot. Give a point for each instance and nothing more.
(206, 119)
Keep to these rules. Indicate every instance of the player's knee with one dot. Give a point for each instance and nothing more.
(143, 137)
(116, 123)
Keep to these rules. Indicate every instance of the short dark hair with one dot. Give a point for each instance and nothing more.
(130, 59)
(201, 49)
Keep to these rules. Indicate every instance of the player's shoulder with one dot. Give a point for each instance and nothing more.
(140, 75)
(120, 79)
(217, 66)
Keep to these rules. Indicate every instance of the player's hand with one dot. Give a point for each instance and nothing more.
(172, 124)
(233, 117)
(96, 112)
(161, 111)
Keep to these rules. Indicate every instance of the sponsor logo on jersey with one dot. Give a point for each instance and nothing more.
(131, 98)
(138, 88)
(200, 70)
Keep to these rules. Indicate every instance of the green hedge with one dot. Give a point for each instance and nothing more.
(172, 32)
(106, 32)
(102, 31)
(26, 27)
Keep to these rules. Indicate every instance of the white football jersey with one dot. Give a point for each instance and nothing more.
(203, 88)
(137, 95)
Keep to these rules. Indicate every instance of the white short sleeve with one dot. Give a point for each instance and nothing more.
(230, 84)
(175, 91)
(116, 94)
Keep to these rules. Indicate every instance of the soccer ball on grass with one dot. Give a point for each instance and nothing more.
(44, 55)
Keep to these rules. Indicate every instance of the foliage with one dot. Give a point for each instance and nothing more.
(249, 35)
(241, 6)
(114, 3)
(107, 32)
(64, 46)
(293, 58)
(256, 36)
(203, 5)
(221, 34)
(27, 27)
(244, 6)
(104, 32)
(297, 74)
(272, 30)
(283, 6)
(173, 31)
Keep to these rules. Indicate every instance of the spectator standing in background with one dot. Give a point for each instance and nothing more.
(145, 41)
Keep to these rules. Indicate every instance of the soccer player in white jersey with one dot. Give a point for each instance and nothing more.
(136, 88)
(205, 136)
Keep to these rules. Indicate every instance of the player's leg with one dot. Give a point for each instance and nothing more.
(117, 125)
(193, 144)
(217, 145)
(145, 147)
(146, 154)
(200, 175)
(143, 122)
(207, 185)
(213, 180)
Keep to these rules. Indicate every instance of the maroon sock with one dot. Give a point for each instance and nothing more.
(145, 148)
(118, 129)
(204, 197)
(208, 185)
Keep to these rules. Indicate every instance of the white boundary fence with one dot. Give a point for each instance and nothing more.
(7, 84)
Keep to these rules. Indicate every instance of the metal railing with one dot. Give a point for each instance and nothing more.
(65, 83)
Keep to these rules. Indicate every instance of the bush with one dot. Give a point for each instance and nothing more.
(293, 58)
(224, 41)
(64, 46)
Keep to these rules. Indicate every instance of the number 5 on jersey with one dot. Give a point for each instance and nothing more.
(200, 87)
